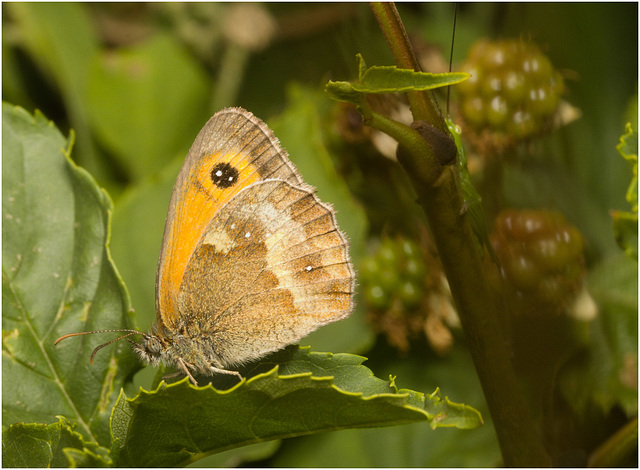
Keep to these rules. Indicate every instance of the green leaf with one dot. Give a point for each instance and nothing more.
(240, 456)
(305, 394)
(445, 413)
(61, 39)
(625, 224)
(391, 79)
(53, 445)
(362, 66)
(135, 97)
(606, 374)
(379, 80)
(344, 91)
(57, 278)
(413, 445)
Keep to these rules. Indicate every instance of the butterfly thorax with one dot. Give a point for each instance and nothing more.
(196, 353)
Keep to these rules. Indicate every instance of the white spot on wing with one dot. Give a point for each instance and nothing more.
(219, 240)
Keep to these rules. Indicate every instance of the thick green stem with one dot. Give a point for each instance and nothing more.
(619, 449)
(428, 167)
(477, 304)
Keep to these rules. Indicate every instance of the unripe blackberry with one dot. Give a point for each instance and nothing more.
(400, 283)
(513, 90)
(395, 272)
(407, 296)
(542, 261)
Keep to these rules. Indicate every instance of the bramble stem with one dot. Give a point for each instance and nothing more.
(423, 104)
(618, 449)
(477, 304)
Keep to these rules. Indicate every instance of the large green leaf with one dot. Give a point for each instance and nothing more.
(306, 394)
(413, 445)
(57, 277)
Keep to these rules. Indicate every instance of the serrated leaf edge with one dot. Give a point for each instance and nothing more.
(271, 373)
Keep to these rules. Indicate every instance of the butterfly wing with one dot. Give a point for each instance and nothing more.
(233, 150)
(271, 267)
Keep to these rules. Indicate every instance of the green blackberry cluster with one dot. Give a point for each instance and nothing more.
(513, 90)
(542, 261)
(407, 296)
(394, 273)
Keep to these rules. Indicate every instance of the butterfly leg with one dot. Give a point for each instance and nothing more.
(172, 375)
(185, 370)
(216, 370)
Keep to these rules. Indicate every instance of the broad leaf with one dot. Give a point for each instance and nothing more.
(57, 278)
(306, 394)
(413, 445)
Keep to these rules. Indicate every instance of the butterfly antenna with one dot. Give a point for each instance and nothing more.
(98, 348)
(453, 37)
(129, 333)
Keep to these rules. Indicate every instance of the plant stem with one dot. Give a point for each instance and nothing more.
(423, 104)
(477, 304)
(618, 449)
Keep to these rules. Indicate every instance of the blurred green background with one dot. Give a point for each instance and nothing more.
(136, 82)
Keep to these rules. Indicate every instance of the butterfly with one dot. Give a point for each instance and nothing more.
(251, 259)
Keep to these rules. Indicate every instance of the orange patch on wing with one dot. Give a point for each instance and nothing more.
(198, 202)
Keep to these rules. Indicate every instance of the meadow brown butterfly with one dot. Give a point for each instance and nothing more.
(251, 259)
